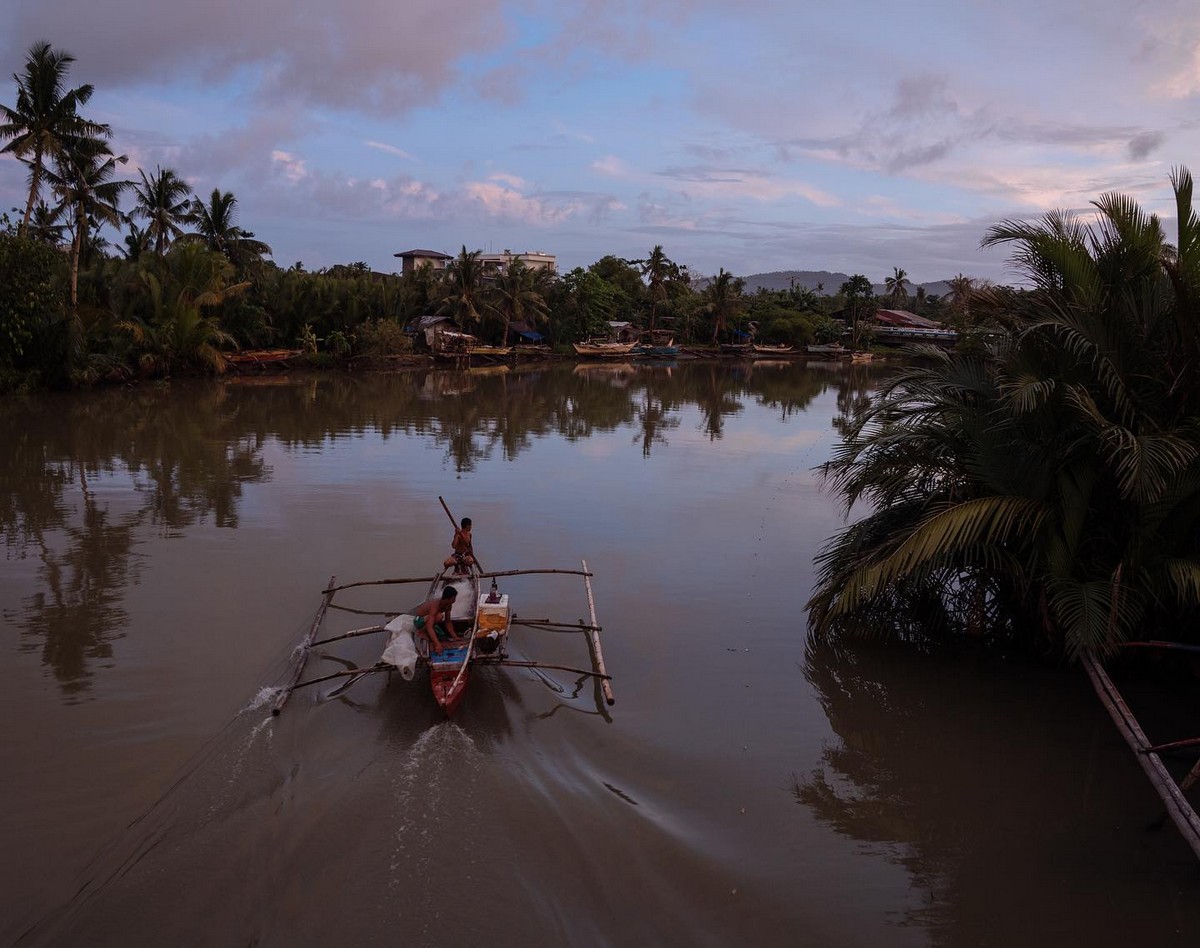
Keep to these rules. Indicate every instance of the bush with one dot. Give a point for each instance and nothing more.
(31, 302)
(381, 337)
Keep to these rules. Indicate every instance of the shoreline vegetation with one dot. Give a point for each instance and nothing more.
(112, 278)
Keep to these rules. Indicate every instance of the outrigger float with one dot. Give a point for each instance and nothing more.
(482, 622)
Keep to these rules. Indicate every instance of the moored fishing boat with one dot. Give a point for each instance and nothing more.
(603, 350)
(832, 350)
(762, 349)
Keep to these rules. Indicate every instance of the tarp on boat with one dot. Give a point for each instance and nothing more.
(401, 650)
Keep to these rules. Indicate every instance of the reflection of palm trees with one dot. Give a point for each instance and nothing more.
(166, 447)
(654, 415)
(79, 611)
(985, 783)
(187, 455)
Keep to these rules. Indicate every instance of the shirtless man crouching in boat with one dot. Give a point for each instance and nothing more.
(433, 619)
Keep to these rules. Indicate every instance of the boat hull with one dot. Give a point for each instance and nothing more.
(448, 678)
(603, 351)
(449, 669)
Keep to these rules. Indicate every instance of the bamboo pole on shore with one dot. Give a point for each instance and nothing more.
(1178, 808)
(594, 638)
(304, 647)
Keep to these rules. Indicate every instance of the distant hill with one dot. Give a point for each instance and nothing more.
(809, 279)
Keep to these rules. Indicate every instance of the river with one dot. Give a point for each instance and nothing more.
(165, 550)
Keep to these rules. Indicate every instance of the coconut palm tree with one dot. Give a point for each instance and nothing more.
(897, 286)
(1046, 489)
(962, 288)
(657, 269)
(164, 200)
(462, 289)
(45, 119)
(136, 242)
(216, 227)
(46, 224)
(82, 177)
(723, 300)
(518, 296)
(858, 292)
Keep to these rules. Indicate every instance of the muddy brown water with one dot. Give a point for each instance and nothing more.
(165, 549)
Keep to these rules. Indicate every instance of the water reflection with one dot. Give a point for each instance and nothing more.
(86, 477)
(927, 774)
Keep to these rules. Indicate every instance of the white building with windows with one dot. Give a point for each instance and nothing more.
(534, 259)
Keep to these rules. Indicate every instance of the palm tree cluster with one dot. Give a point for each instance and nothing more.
(60, 147)
(1043, 491)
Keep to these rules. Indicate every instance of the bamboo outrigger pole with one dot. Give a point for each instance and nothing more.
(593, 635)
(1178, 808)
(304, 646)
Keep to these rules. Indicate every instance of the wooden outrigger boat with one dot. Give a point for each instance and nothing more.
(603, 350)
(762, 349)
(481, 620)
(832, 350)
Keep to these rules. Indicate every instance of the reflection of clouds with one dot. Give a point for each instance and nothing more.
(761, 440)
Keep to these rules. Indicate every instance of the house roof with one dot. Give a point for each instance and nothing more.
(434, 254)
(902, 317)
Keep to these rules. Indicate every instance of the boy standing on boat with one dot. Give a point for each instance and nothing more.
(433, 618)
(463, 556)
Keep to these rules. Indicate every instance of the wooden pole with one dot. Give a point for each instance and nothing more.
(1178, 808)
(594, 638)
(381, 582)
(347, 635)
(430, 579)
(557, 626)
(381, 666)
(304, 646)
(1173, 745)
(566, 668)
(530, 572)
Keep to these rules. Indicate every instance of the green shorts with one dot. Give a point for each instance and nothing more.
(438, 629)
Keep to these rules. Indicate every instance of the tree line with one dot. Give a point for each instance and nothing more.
(185, 283)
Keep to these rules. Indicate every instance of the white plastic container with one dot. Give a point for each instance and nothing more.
(493, 616)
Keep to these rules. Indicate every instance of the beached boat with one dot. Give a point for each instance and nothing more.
(761, 349)
(260, 357)
(737, 348)
(656, 344)
(482, 621)
(603, 350)
(860, 357)
(832, 350)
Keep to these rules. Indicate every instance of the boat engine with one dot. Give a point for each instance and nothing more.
(488, 643)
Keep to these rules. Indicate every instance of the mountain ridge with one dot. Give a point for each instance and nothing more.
(830, 281)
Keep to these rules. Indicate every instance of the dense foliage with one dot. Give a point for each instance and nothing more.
(192, 283)
(1043, 490)
(31, 306)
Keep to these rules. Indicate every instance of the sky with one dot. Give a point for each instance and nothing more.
(754, 136)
